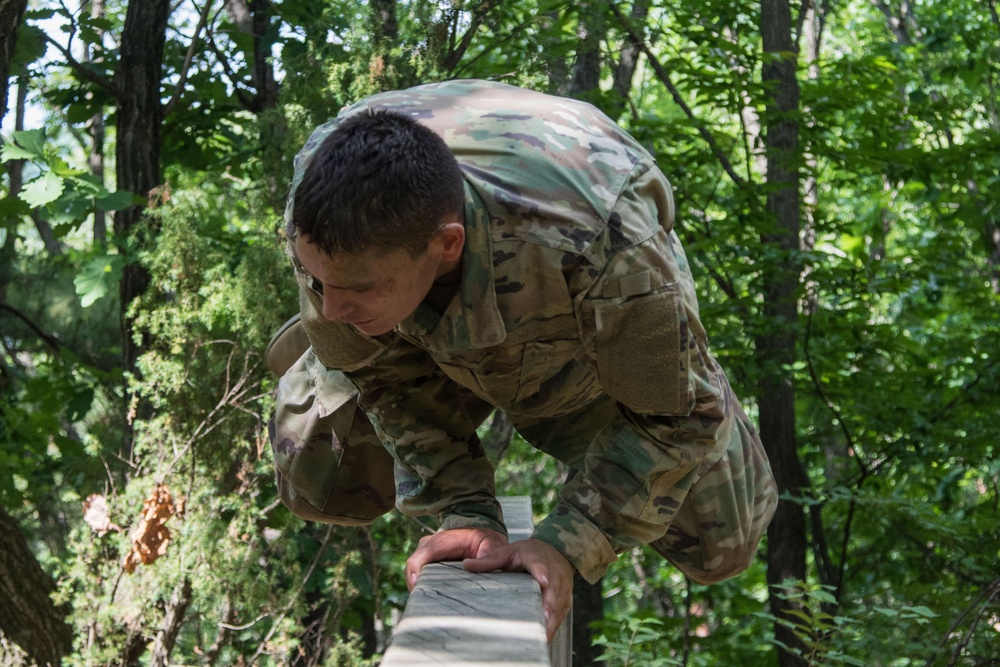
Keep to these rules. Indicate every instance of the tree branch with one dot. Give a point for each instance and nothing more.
(478, 16)
(864, 470)
(515, 32)
(838, 418)
(28, 615)
(664, 77)
(83, 71)
(896, 23)
(628, 60)
(188, 57)
(991, 592)
(891, 449)
(294, 597)
(50, 340)
(799, 21)
(244, 98)
(172, 622)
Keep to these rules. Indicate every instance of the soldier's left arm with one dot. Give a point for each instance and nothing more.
(641, 330)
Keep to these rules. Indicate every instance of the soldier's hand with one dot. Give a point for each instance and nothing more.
(543, 562)
(455, 544)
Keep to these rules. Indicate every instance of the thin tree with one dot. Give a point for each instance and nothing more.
(776, 346)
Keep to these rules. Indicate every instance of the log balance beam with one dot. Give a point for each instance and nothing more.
(456, 618)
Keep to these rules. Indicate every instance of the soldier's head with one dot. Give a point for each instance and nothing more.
(379, 181)
(377, 217)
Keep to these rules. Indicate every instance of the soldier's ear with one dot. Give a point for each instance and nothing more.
(451, 236)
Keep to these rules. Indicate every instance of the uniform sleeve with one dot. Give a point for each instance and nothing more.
(424, 419)
(640, 327)
(428, 423)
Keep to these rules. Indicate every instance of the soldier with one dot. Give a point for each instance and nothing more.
(466, 246)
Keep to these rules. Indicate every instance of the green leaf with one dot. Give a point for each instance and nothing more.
(97, 278)
(43, 190)
(61, 168)
(11, 208)
(115, 201)
(30, 140)
(12, 151)
(823, 596)
(30, 47)
(79, 404)
(923, 611)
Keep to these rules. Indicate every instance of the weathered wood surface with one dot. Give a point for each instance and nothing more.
(456, 618)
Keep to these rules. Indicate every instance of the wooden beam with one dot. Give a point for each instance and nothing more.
(456, 618)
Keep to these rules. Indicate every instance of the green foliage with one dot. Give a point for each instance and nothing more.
(638, 643)
(895, 375)
(98, 277)
(830, 636)
(60, 193)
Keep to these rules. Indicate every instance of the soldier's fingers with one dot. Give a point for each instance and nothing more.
(450, 545)
(557, 598)
(498, 557)
(490, 543)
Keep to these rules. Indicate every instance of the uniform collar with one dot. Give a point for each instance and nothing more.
(472, 319)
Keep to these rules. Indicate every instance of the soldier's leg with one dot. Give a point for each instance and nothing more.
(329, 463)
(718, 527)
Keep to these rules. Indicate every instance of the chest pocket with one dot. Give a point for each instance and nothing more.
(507, 375)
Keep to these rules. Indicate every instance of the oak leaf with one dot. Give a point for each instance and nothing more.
(151, 536)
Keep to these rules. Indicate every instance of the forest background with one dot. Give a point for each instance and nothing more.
(837, 170)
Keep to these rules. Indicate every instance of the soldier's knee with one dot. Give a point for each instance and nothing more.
(708, 558)
(712, 573)
(353, 507)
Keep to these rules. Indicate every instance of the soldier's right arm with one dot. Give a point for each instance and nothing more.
(423, 418)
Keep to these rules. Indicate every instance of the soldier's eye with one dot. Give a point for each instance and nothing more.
(314, 285)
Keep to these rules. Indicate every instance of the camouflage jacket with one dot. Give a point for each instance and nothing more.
(575, 294)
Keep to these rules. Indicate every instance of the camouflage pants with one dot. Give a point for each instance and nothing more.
(329, 463)
(716, 531)
(331, 467)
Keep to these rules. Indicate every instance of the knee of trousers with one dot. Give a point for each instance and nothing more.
(342, 506)
(330, 465)
(345, 480)
(717, 529)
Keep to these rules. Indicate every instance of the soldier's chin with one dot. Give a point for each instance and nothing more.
(372, 327)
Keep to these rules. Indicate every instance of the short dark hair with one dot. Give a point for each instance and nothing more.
(379, 181)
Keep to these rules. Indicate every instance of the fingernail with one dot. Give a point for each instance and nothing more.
(548, 615)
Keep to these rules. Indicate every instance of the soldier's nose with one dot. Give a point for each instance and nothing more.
(335, 309)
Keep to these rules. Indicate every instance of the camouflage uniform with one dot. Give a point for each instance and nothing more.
(577, 315)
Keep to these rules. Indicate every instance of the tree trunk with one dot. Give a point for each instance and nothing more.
(137, 151)
(776, 346)
(172, 622)
(263, 70)
(588, 606)
(27, 615)
(628, 61)
(384, 25)
(11, 12)
(253, 18)
(95, 160)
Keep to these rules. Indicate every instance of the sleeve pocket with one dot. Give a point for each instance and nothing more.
(642, 352)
